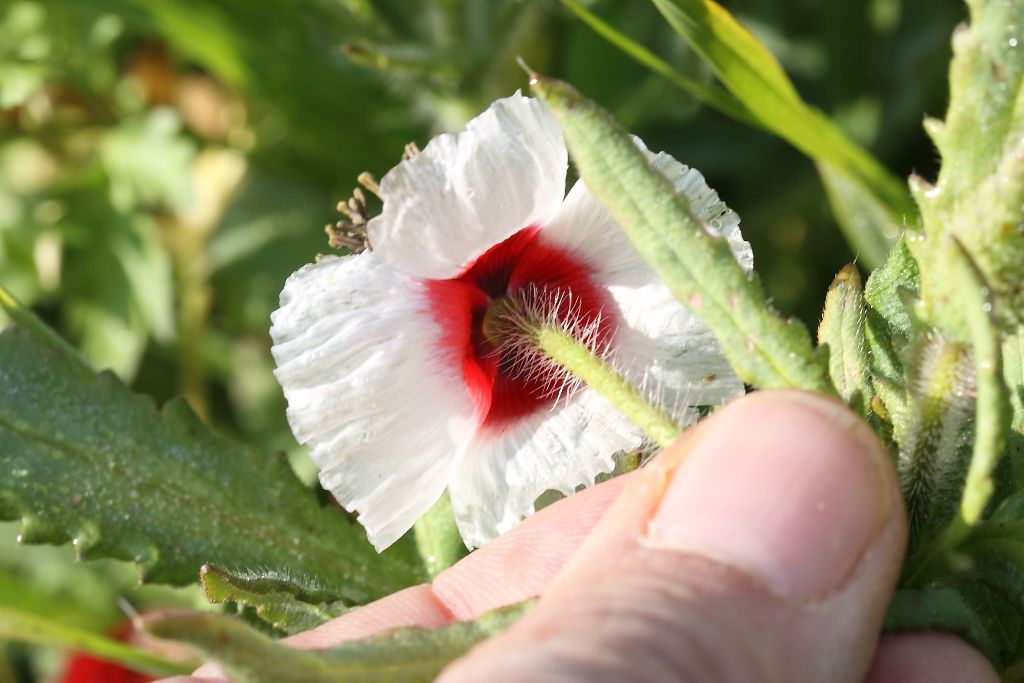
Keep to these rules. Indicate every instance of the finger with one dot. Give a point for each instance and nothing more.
(520, 564)
(764, 548)
(929, 658)
(515, 567)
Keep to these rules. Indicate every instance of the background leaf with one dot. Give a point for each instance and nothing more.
(752, 74)
(27, 627)
(91, 462)
(868, 201)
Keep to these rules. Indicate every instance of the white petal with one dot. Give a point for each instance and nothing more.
(584, 227)
(667, 350)
(705, 204)
(661, 345)
(464, 193)
(502, 474)
(386, 419)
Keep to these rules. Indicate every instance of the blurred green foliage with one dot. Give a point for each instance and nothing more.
(165, 165)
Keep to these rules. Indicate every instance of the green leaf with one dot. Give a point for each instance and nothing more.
(939, 609)
(26, 627)
(992, 405)
(991, 416)
(750, 72)
(30, 321)
(90, 461)
(764, 349)
(979, 194)
(403, 656)
(711, 95)
(842, 330)
(289, 603)
(437, 537)
(932, 431)
(870, 226)
(870, 203)
(1013, 373)
(888, 326)
(149, 162)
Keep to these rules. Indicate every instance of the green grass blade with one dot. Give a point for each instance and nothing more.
(753, 75)
(711, 95)
(870, 203)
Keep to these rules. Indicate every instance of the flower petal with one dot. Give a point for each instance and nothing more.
(664, 348)
(502, 474)
(465, 193)
(660, 344)
(584, 227)
(386, 419)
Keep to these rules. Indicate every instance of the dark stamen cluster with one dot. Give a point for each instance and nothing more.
(350, 233)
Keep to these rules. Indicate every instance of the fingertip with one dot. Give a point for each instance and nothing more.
(929, 658)
(790, 486)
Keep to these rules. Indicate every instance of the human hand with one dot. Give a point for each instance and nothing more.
(763, 545)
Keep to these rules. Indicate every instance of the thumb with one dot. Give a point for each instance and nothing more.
(763, 545)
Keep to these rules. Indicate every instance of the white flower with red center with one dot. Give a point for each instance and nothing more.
(391, 379)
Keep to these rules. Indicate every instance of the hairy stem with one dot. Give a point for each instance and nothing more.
(581, 361)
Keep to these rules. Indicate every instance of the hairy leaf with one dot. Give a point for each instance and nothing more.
(979, 194)
(888, 325)
(992, 404)
(402, 656)
(88, 460)
(288, 603)
(764, 349)
(842, 330)
(991, 417)
(932, 431)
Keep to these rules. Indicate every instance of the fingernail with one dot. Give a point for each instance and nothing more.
(786, 486)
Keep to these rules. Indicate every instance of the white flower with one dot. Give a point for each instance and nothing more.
(389, 379)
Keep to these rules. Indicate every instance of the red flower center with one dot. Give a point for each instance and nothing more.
(558, 284)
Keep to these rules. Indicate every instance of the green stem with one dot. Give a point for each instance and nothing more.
(576, 357)
(31, 628)
(437, 538)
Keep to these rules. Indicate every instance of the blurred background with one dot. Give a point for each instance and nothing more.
(165, 165)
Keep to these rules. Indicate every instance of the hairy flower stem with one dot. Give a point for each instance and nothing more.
(581, 361)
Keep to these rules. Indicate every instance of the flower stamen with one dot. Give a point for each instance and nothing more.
(570, 349)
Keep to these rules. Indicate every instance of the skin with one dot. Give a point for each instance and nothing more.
(763, 545)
